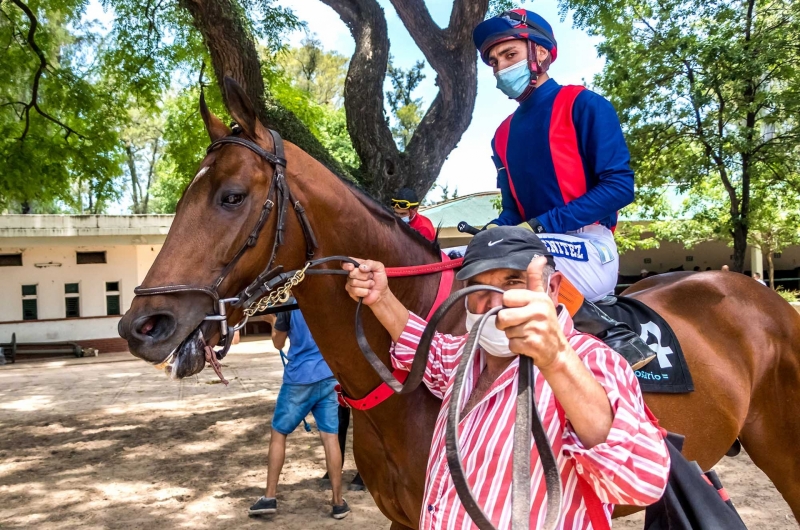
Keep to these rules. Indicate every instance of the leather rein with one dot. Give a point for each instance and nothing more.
(273, 286)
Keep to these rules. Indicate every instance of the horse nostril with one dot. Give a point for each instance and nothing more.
(156, 327)
(147, 327)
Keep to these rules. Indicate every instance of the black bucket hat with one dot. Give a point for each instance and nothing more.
(504, 247)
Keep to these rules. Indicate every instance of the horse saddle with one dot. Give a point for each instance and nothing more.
(668, 372)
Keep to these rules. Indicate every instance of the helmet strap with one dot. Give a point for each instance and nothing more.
(536, 70)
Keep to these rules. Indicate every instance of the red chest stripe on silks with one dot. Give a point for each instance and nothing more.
(384, 391)
(563, 148)
(501, 146)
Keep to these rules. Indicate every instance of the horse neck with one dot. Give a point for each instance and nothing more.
(346, 223)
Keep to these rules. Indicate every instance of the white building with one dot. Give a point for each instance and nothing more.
(70, 277)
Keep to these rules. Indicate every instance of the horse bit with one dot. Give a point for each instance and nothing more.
(263, 292)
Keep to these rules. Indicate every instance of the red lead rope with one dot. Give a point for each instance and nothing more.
(383, 391)
(419, 270)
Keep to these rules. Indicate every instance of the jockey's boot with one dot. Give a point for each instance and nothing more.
(617, 335)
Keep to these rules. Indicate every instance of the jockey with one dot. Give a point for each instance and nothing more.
(405, 204)
(562, 169)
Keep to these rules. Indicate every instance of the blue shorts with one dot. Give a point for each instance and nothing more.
(296, 401)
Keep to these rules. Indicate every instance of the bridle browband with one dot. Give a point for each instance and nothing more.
(272, 277)
(279, 194)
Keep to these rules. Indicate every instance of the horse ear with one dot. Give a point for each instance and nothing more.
(216, 129)
(242, 110)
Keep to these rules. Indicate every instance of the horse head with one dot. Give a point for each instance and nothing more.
(210, 253)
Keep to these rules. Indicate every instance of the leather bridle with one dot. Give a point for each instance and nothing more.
(274, 277)
(279, 194)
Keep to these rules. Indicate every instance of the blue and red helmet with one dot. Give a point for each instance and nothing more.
(514, 24)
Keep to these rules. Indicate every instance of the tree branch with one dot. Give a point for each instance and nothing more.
(363, 91)
(232, 48)
(34, 103)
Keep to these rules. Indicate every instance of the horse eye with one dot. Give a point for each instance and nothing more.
(234, 199)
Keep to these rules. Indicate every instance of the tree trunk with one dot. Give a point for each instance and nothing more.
(232, 47)
(771, 266)
(739, 234)
(450, 53)
(150, 173)
(134, 177)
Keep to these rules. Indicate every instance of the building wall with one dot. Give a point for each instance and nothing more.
(50, 268)
(711, 254)
(145, 256)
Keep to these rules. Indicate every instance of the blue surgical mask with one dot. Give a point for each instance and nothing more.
(513, 81)
(405, 219)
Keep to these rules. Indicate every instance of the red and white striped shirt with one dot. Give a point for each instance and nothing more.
(631, 467)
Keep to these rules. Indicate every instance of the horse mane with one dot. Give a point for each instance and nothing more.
(381, 212)
(385, 215)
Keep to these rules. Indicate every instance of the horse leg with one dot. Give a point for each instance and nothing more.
(398, 526)
(771, 434)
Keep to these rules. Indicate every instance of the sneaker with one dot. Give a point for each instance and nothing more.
(263, 506)
(340, 511)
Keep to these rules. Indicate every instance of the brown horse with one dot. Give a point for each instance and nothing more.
(742, 341)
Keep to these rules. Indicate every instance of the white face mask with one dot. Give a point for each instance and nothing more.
(492, 340)
(405, 219)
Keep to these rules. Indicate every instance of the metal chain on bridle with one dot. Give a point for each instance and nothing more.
(274, 287)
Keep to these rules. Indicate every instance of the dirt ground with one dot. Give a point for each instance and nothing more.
(109, 442)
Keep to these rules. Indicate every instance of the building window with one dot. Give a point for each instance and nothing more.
(10, 260)
(776, 255)
(72, 299)
(689, 258)
(30, 309)
(86, 258)
(112, 298)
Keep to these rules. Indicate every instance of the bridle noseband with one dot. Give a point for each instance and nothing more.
(279, 194)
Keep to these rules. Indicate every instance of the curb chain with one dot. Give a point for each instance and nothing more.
(279, 296)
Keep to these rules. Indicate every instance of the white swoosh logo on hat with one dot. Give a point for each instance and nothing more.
(494, 242)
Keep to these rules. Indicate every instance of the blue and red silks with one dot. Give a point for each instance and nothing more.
(562, 159)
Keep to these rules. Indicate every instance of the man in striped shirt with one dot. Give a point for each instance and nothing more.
(607, 441)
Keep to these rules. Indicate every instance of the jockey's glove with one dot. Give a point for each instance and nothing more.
(533, 225)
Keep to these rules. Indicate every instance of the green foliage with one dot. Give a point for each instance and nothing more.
(314, 71)
(309, 81)
(58, 144)
(444, 195)
(708, 96)
(104, 97)
(498, 6)
(776, 223)
(406, 109)
(336, 139)
(788, 294)
(634, 236)
(271, 23)
(185, 141)
(497, 203)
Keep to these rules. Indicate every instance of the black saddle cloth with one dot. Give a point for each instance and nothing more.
(668, 372)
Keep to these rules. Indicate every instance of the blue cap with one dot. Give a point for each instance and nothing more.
(514, 24)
